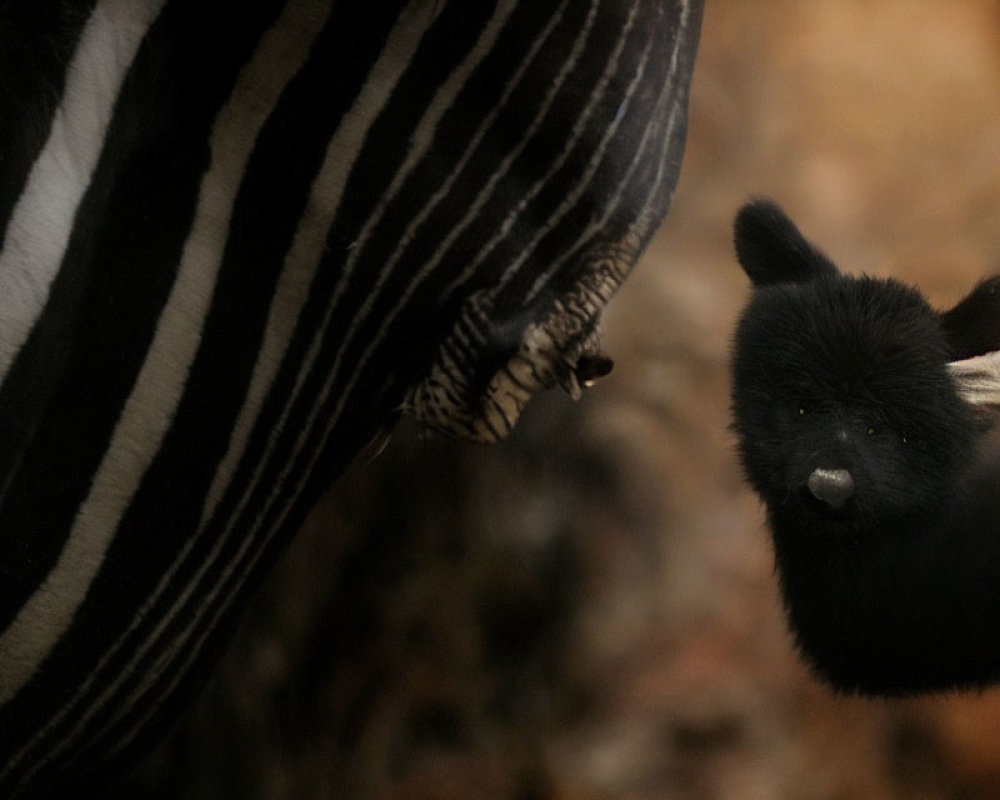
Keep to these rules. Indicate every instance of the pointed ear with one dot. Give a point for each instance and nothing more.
(771, 250)
(972, 327)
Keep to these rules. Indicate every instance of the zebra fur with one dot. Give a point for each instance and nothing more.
(238, 239)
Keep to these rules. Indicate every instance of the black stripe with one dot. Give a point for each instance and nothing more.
(327, 66)
(37, 40)
(97, 325)
(424, 320)
(101, 341)
(321, 95)
(478, 98)
(636, 123)
(439, 54)
(270, 203)
(289, 153)
(429, 309)
(387, 143)
(234, 598)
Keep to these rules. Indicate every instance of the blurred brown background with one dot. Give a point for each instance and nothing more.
(588, 610)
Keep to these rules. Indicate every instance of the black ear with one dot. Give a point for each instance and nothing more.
(771, 250)
(973, 326)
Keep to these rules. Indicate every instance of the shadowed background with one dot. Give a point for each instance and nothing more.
(588, 610)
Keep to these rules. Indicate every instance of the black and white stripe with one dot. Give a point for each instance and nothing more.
(236, 235)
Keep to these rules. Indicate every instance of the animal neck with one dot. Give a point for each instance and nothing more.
(905, 610)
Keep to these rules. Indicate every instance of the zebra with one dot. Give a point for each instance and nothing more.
(239, 239)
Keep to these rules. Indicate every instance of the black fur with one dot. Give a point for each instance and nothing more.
(882, 500)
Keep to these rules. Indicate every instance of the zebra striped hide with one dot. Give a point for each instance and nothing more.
(240, 237)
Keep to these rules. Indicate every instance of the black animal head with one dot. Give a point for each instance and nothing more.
(845, 411)
(853, 432)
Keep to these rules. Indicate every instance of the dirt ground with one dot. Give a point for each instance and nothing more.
(588, 610)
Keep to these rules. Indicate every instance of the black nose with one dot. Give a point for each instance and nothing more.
(833, 486)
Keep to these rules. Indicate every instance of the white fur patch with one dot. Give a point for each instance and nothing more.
(978, 379)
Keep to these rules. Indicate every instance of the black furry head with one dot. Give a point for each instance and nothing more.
(852, 431)
(835, 372)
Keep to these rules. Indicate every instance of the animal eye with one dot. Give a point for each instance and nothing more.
(871, 431)
(905, 440)
(802, 411)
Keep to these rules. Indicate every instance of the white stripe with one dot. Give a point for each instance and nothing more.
(301, 263)
(306, 429)
(482, 197)
(571, 196)
(280, 54)
(639, 227)
(661, 174)
(223, 583)
(39, 228)
(249, 537)
(605, 140)
(303, 259)
(477, 205)
(438, 106)
(420, 141)
(152, 403)
(305, 255)
(300, 19)
(317, 341)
